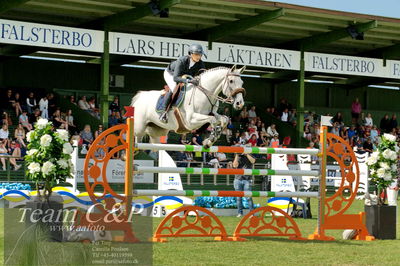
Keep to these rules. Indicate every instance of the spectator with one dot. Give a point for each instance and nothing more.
(344, 133)
(368, 120)
(352, 133)
(385, 124)
(220, 156)
(362, 118)
(83, 104)
(4, 134)
(58, 122)
(275, 112)
(114, 106)
(335, 129)
(31, 104)
(271, 131)
(252, 129)
(98, 131)
(265, 141)
(244, 116)
(86, 135)
(243, 182)
(19, 133)
(275, 142)
(227, 111)
(15, 153)
(393, 122)
(283, 105)
(34, 117)
(374, 134)
(70, 121)
(92, 107)
(10, 100)
(113, 119)
(43, 107)
(338, 118)
(253, 140)
(367, 146)
(355, 111)
(3, 154)
(5, 119)
(243, 138)
(262, 129)
(285, 115)
(252, 113)
(17, 104)
(100, 153)
(72, 99)
(24, 121)
(197, 139)
(235, 141)
(293, 117)
(307, 133)
(51, 103)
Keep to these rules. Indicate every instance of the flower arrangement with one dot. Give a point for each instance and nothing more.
(48, 157)
(383, 164)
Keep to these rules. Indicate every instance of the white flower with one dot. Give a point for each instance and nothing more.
(396, 148)
(67, 148)
(380, 173)
(372, 160)
(34, 168)
(393, 155)
(384, 165)
(63, 163)
(42, 123)
(387, 153)
(32, 152)
(388, 176)
(45, 140)
(373, 171)
(394, 168)
(47, 168)
(28, 136)
(63, 134)
(389, 137)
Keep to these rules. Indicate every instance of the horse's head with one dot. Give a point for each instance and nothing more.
(233, 87)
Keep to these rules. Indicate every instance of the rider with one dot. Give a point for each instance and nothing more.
(182, 70)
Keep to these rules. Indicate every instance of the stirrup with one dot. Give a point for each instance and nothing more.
(164, 117)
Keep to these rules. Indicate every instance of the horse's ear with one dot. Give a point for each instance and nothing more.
(242, 69)
(233, 68)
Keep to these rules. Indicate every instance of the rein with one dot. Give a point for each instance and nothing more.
(228, 100)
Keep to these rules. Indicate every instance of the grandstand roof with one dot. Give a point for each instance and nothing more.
(247, 22)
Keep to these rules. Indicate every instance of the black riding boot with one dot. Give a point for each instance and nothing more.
(166, 101)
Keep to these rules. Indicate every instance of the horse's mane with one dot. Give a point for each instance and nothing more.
(211, 70)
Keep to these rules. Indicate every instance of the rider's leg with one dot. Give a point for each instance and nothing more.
(169, 79)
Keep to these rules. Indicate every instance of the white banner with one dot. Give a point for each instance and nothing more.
(350, 65)
(116, 171)
(35, 34)
(163, 47)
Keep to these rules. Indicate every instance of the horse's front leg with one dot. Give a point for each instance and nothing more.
(197, 120)
(222, 120)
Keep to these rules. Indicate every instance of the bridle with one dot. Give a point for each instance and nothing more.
(228, 99)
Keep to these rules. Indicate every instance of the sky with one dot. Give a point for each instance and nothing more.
(386, 8)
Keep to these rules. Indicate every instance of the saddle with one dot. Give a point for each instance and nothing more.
(177, 97)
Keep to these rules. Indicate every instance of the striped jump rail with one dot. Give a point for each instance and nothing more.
(224, 171)
(224, 149)
(220, 193)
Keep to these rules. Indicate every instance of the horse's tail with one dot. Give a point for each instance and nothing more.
(136, 97)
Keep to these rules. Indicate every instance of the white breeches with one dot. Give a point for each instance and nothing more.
(169, 79)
